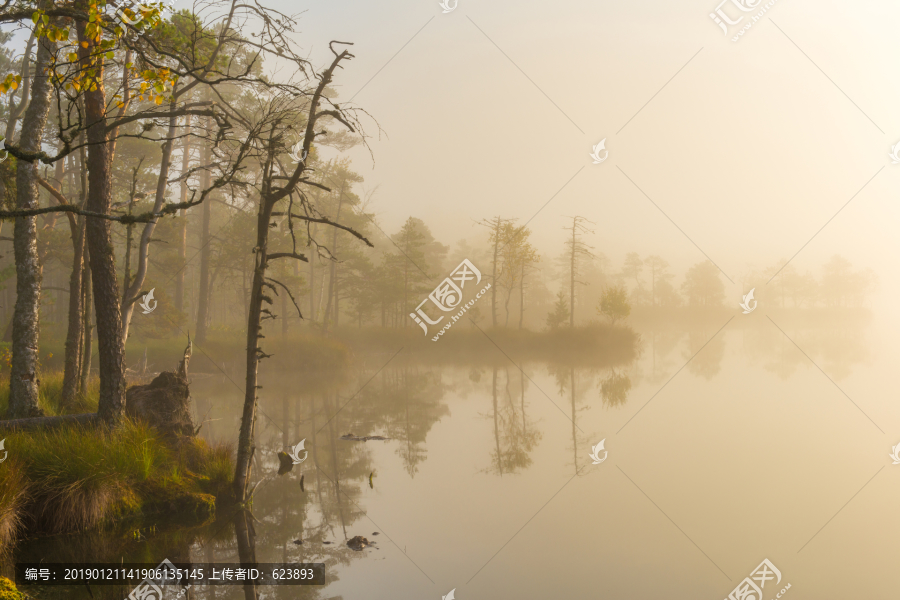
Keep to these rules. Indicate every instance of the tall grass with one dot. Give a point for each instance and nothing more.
(50, 394)
(79, 477)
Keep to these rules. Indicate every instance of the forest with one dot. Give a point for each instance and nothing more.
(177, 181)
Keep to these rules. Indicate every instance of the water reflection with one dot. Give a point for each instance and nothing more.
(498, 410)
(515, 435)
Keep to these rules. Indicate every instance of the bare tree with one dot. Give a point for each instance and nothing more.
(269, 134)
(578, 252)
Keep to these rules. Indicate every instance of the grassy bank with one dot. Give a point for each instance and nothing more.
(79, 478)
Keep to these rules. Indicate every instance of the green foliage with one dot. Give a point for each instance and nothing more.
(560, 314)
(614, 303)
(8, 590)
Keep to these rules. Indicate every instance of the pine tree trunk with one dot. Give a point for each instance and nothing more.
(75, 332)
(24, 377)
(111, 349)
(331, 285)
(203, 299)
(182, 234)
(87, 341)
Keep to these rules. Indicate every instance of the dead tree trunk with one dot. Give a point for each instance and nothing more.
(24, 377)
(269, 197)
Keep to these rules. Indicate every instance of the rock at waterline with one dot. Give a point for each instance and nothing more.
(357, 543)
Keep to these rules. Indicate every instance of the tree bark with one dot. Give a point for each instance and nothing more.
(75, 332)
(130, 295)
(111, 348)
(24, 377)
(87, 339)
(331, 287)
(182, 234)
(203, 299)
(248, 418)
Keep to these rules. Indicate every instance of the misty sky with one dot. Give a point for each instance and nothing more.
(750, 149)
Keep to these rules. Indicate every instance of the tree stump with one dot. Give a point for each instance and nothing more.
(165, 404)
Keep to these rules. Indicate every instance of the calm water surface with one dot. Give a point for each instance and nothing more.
(766, 444)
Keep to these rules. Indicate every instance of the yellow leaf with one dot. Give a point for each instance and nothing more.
(159, 99)
(84, 44)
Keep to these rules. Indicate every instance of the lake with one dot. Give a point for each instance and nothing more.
(727, 442)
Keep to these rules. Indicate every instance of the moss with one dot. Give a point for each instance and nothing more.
(8, 590)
